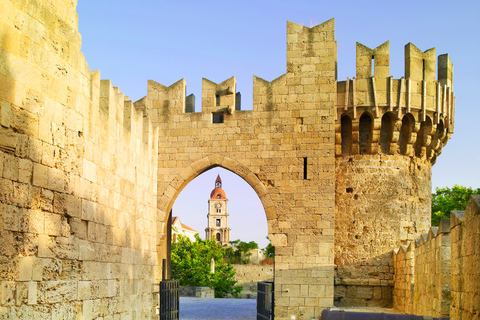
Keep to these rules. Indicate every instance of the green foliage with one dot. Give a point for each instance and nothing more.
(445, 200)
(269, 250)
(238, 252)
(190, 262)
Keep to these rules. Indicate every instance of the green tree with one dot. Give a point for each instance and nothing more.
(445, 200)
(190, 262)
(269, 250)
(238, 250)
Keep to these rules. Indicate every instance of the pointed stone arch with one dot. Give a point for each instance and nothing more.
(170, 193)
(187, 174)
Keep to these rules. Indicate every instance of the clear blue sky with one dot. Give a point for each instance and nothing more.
(132, 42)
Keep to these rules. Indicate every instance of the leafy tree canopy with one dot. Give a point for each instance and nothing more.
(447, 199)
(190, 262)
(269, 250)
(238, 252)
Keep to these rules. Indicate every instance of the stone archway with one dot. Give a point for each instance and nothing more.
(284, 149)
(188, 174)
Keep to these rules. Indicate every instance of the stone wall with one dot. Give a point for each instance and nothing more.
(382, 201)
(466, 261)
(197, 292)
(78, 167)
(403, 292)
(248, 275)
(422, 274)
(438, 274)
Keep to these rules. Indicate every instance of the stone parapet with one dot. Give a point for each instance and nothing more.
(465, 264)
(423, 274)
(412, 116)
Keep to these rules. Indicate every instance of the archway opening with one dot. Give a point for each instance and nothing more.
(386, 132)
(247, 217)
(422, 138)
(236, 216)
(365, 133)
(408, 123)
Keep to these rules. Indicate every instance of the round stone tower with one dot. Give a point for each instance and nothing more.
(388, 135)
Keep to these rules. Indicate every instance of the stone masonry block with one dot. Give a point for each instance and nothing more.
(7, 293)
(40, 175)
(58, 291)
(46, 246)
(53, 224)
(25, 268)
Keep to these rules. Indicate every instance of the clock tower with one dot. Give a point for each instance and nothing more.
(217, 217)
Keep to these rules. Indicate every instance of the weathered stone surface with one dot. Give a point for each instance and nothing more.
(88, 178)
(56, 151)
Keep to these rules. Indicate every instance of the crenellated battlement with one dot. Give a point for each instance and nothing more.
(373, 112)
(114, 110)
(412, 116)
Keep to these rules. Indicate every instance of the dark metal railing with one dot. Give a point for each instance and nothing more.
(169, 301)
(265, 299)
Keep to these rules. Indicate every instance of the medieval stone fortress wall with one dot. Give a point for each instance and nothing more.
(438, 273)
(88, 178)
(78, 177)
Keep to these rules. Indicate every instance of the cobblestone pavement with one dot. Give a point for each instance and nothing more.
(217, 309)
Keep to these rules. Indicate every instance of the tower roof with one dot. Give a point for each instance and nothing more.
(218, 192)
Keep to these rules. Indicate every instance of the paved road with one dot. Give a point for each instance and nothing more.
(217, 309)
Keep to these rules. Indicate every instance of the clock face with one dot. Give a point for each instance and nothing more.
(218, 205)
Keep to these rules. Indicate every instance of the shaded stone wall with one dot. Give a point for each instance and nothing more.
(432, 272)
(77, 177)
(422, 274)
(438, 274)
(466, 261)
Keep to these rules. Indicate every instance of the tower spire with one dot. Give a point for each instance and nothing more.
(218, 182)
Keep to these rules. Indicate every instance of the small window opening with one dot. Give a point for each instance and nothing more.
(218, 223)
(217, 100)
(346, 134)
(424, 71)
(219, 210)
(305, 168)
(349, 190)
(219, 195)
(217, 118)
(373, 65)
